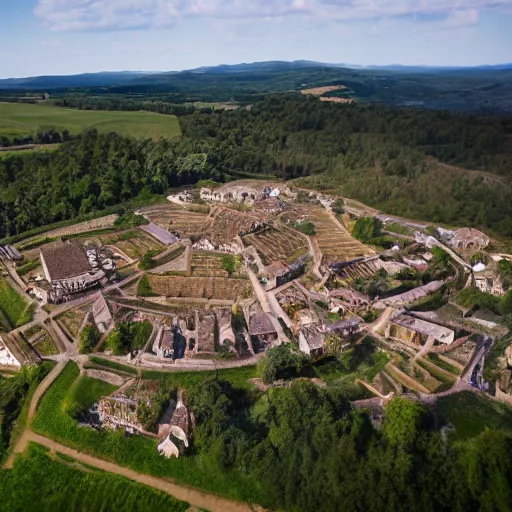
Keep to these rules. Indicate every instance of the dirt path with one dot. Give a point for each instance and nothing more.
(36, 397)
(191, 496)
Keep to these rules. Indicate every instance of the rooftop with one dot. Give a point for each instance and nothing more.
(423, 327)
(261, 324)
(65, 260)
(313, 336)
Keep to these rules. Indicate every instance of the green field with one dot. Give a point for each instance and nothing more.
(23, 119)
(15, 311)
(471, 414)
(43, 482)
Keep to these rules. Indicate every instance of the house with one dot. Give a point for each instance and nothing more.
(279, 273)
(470, 238)
(488, 281)
(344, 327)
(311, 340)
(101, 314)
(262, 331)
(412, 295)
(413, 330)
(348, 298)
(66, 267)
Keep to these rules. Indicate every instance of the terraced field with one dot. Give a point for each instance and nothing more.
(201, 287)
(229, 223)
(133, 243)
(207, 264)
(281, 244)
(182, 222)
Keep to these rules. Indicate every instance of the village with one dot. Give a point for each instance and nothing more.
(220, 274)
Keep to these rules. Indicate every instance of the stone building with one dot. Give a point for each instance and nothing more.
(470, 238)
(262, 331)
(68, 270)
(415, 331)
(311, 341)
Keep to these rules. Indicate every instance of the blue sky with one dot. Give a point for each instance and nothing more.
(41, 37)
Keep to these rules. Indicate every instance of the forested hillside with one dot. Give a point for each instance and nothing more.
(404, 161)
(388, 158)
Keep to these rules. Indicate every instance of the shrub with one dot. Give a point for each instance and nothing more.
(144, 288)
(367, 228)
(88, 339)
(129, 336)
(307, 228)
(282, 362)
(147, 262)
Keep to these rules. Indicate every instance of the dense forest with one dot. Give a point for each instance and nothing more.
(310, 450)
(404, 161)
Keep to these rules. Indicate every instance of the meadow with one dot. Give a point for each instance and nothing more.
(45, 482)
(15, 310)
(25, 119)
(138, 452)
(485, 414)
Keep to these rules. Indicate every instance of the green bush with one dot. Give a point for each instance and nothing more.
(306, 227)
(88, 339)
(147, 262)
(282, 362)
(144, 288)
(365, 229)
(129, 336)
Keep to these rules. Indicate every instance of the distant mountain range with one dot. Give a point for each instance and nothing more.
(106, 79)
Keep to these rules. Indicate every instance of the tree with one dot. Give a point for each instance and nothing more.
(89, 338)
(283, 361)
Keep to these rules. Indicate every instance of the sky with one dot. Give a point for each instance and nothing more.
(60, 37)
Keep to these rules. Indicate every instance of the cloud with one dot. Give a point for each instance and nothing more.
(136, 14)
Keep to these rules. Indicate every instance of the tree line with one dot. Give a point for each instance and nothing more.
(403, 161)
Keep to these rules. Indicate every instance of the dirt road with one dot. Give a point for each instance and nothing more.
(191, 496)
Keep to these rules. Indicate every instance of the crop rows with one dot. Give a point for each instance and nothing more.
(182, 222)
(275, 245)
(207, 264)
(200, 287)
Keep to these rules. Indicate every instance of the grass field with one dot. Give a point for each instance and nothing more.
(41, 481)
(139, 452)
(13, 306)
(471, 414)
(23, 119)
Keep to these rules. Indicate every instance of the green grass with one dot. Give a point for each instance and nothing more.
(17, 152)
(12, 432)
(27, 267)
(238, 377)
(46, 347)
(471, 414)
(15, 308)
(111, 365)
(86, 391)
(40, 483)
(137, 452)
(24, 119)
